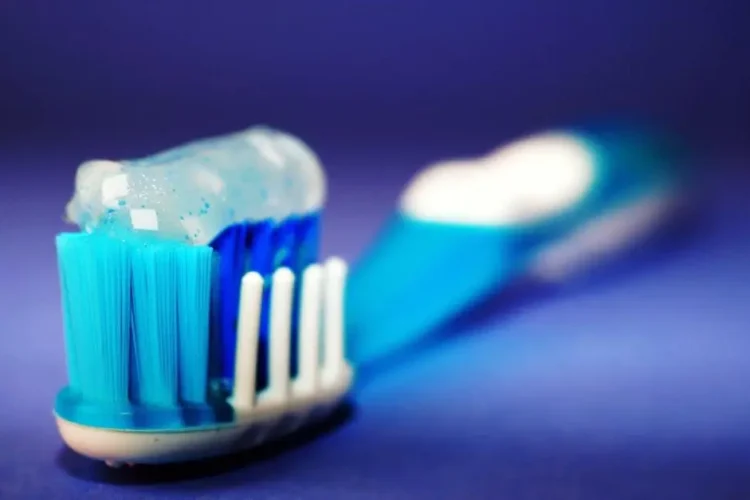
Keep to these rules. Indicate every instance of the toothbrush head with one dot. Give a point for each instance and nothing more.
(139, 390)
(197, 319)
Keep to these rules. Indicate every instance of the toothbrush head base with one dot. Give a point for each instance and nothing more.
(263, 423)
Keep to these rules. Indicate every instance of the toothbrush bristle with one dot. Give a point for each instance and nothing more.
(320, 329)
(194, 275)
(95, 279)
(247, 341)
(136, 319)
(308, 350)
(155, 325)
(262, 247)
(280, 332)
(335, 277)
(138, 337)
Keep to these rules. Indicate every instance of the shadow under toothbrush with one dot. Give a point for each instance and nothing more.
(673, 237)
(96, 471)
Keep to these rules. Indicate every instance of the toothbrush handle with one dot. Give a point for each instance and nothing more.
(416, 277)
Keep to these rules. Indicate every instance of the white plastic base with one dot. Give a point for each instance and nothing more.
(269, 419)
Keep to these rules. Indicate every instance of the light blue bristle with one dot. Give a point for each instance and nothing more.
(194, 276)
(137, 333)
(95, 279)
(68, 295)
(155, 325)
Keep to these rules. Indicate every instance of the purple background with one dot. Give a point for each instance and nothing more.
(631, 387)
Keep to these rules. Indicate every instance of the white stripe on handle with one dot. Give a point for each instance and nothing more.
(335, 277)
(246, 354)
(309, 329)
(280, 333)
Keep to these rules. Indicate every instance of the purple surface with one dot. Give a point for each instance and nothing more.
(631, 388)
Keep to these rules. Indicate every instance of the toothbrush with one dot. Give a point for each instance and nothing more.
(241, 364)
(547, 206)
(161, 368)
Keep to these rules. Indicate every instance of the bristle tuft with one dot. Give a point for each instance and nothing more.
(155, 325)
(194, 275)
(95, 280)
(136, 319)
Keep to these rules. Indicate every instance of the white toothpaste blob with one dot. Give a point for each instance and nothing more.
(192, 192)
(519, 183)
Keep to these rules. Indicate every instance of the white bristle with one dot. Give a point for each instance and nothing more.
(309, 330)
(333, 322)
(247, 341)
(280, 333)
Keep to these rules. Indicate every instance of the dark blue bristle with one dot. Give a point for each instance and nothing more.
(261, 246)
(261, 260)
